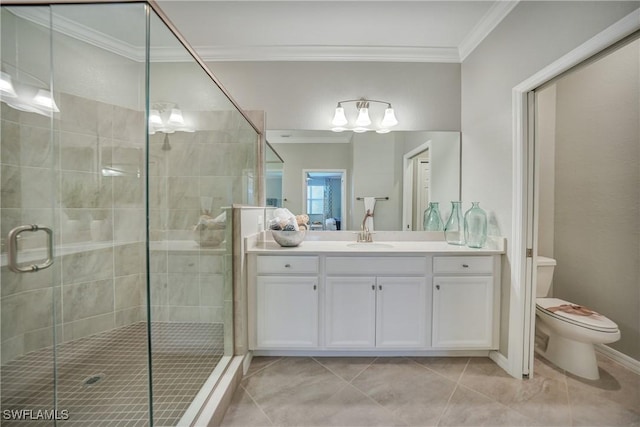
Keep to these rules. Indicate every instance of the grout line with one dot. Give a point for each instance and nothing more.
(257, 405)
(261, 369)
(360, 373)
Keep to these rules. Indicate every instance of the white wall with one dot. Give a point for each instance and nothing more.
(445, 165)
(597, 203)
(374, 175)
(546, 146)
(303, 95)
(532, 36)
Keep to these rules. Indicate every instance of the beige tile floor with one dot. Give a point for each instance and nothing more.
(305, 391)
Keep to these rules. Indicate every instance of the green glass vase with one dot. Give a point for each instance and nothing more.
(475, 226)
(454, 229)
(432, 221)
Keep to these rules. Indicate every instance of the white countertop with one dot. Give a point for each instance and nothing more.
(262, 244)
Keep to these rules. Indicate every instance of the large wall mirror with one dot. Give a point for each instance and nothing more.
(330, 176)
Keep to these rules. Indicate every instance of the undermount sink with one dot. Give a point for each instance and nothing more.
(369, 245)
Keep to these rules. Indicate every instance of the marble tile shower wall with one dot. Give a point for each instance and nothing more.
(87, 182)
(204, 172)
(93, 170)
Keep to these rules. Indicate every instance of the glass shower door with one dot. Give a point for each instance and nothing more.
(73, 127)
(29, 276)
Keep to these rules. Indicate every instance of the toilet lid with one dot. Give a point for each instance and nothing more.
(596, 322)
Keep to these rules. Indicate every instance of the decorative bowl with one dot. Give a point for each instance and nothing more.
(210, 238)
(288, 238)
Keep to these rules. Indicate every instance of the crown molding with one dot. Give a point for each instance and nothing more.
(486, 25)
(41, 16)
(73, 29)
(328, 53)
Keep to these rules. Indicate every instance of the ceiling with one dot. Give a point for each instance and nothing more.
(298, 30)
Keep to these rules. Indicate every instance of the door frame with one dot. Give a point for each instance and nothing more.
(343, 190)
(407, 184)
(524, 189)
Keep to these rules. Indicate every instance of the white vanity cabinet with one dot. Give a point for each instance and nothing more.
(382, 303)
(465, 302)
(308, 301)
(286, 298)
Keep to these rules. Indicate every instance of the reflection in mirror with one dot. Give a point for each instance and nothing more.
(274, 166)
(375, 167)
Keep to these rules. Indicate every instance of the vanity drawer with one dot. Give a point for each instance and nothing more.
(463, 265)
(373, 266)
(286, 264)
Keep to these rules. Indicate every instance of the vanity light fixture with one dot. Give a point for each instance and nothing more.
(6, 86)
(26, 97)
(166, 117)
(363, 120)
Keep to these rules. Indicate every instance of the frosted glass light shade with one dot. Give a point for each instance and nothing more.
(363, 118)
(389, 118)
(383, 130)
(6, 86)
(339, 119)
(338, 129)
(360, 129)
(154, 118)
(44, 101)
(176, 118)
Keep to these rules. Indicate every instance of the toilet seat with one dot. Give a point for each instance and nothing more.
(597, 323)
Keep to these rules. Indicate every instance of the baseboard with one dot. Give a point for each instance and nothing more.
(503, 362)
(214, 409)
(621, 358)
(247, 361)
(375, 353)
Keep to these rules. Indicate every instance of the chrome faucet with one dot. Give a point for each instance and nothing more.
(365, 234)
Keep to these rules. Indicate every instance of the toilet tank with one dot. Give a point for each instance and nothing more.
(545, 275)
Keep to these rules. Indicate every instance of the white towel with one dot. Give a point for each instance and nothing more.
(369, 204)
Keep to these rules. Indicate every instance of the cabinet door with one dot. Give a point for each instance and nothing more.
(401, 318)
(462, 312)
(350, 312)
(287, 312)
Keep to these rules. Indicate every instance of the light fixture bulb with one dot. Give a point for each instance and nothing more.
(339, 119)
(389, 119)
(360, 129)
(6, 86)
(154, 118)
(363, 118)
(44, 101)
(176, 118)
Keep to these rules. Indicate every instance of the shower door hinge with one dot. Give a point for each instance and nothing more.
(529, 253)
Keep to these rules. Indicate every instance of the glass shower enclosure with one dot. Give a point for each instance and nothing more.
(120, 159)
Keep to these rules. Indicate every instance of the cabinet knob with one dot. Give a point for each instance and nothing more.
(373, 287)
(287, 266)
(315, 287)
(465, 265)
(438, 287)
(380, 287)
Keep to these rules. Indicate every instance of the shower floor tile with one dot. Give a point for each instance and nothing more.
(103, 379)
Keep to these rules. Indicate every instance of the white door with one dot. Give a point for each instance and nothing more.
(462, 312)
(422, 195)
(401, 319)
(350, 312)
(287, 312)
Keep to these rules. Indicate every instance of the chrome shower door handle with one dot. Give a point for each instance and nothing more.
(12, 249)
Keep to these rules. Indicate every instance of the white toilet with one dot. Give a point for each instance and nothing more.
(571, 336)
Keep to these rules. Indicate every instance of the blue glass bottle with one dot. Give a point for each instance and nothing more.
(475, 226)
(454, 229)
(432, 221)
